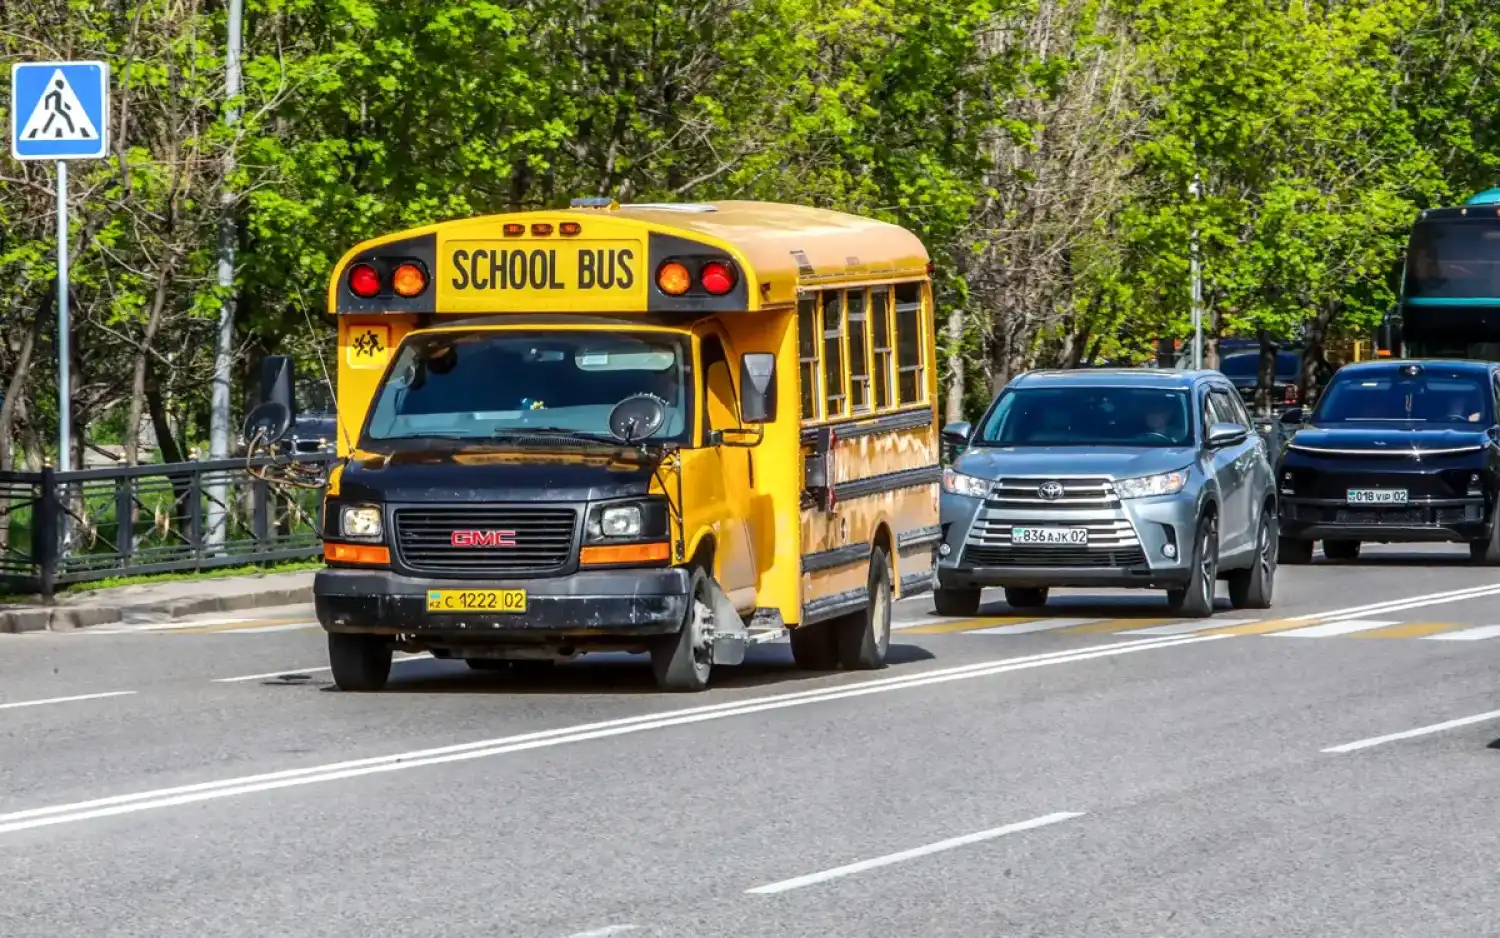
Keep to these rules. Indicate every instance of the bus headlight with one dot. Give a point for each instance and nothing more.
(627, 521)
(361, 521)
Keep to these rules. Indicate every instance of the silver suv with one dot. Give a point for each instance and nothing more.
(1109, 478)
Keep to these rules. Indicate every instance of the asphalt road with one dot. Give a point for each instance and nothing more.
(1323, 769)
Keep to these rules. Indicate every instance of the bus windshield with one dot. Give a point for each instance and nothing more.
(514, 385)
(1088, 416)
(1423, 398)
(1454, 259)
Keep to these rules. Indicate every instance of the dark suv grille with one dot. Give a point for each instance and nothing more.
(543, 539)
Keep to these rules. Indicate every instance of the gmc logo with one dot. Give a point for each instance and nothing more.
(483, 539)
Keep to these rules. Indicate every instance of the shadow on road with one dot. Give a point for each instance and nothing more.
(617, 673)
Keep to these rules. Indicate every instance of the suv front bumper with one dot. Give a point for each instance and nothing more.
(598, 603)
(1156, 523)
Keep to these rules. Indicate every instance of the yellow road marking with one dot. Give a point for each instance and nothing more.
(237, 626)
(1258, 628)
(1410, 630)
(1114, 625)
(966, 625)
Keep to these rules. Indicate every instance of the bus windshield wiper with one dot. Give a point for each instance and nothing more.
(554, 433)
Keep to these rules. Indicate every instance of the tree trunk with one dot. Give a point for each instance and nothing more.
(171, 450)
(1265, 374)
(17, 383)
(1314, 352)
(138, 372)
(957, 383)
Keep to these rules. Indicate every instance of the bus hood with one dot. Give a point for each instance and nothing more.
(496, 474)
(1395, 438)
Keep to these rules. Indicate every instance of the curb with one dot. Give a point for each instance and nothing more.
(69, 618)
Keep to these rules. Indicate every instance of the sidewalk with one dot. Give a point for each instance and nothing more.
(158, 602)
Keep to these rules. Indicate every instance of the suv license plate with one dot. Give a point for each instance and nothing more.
(493, 601)
(1377, 496)
(1050, 537)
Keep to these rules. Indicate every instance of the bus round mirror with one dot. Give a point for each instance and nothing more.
(268, 423)
(637, 417)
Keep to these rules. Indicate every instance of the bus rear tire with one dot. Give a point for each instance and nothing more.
(682, 662)
(814, 647)
(864, 637)
(360, 663)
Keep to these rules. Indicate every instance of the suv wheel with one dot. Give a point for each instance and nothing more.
(1487, 551)
(1252, 588)
(1026, 597)
(1196, 600)
(963, 603)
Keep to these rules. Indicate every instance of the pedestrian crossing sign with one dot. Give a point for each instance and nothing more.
(59, 110)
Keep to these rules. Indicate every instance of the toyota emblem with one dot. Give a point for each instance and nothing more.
(1051, 491)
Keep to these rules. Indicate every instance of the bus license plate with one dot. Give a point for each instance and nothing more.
(493, 601)
(1377, 496)
(1050, 537)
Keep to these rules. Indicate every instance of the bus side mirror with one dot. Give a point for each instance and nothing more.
(276, 383)
(757, 387)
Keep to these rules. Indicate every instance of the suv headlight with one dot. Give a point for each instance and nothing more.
(957, 483)
(1166, 483)
(361, 521)
(627, 521)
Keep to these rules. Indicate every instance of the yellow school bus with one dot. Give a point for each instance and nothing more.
(671, 429)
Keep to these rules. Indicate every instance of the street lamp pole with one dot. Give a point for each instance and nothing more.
(219, 398)
(1196, 191)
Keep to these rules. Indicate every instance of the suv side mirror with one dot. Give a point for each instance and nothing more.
(1292, 417)
(1226, 434)
(757, 387)
(957, 433)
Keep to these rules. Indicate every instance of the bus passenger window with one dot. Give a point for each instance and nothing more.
(807, 355)
(909, 342)
(880, 313)
(859, 351)
(833, 352)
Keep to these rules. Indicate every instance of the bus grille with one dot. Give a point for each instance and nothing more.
(542, 539)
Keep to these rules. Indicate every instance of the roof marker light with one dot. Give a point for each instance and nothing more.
(364, 281)
(541, 229)
(673, 279)
(569, 229)
(514, 229)
(409, 280)
(717, 277)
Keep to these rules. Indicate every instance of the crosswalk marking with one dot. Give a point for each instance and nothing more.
(1410, 630)
(967, 625)
(1114, 625)
(1336, 627)
(1255, 628)
(1466, 635)
(1024, 628)
(1196, 625)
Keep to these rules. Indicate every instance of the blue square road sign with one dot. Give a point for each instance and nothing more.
(59, 110)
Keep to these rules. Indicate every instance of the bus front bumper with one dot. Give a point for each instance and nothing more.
(615, 603)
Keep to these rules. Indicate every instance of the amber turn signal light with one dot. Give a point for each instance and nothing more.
(607, 554)
(367, 555)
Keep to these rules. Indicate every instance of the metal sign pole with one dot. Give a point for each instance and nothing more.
(64, 405)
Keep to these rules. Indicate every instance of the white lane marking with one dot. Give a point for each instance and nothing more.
(1464, 635)
(605, 931)
(224, 788)
(420, 656)
(928, 620)
(912, 854)
(1187, 628)
(1397, 605)
(1419, 731)
(1025, 628)
(1336, 627)
(54, 700)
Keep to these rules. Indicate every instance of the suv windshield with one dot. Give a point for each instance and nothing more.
(1088, 416)
(498, 384)
(1426, 397)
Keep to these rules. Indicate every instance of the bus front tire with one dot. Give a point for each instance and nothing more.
(864, 637)
(360, 663)
(682, 662)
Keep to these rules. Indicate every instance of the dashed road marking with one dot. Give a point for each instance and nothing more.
(1336, 627)
(1478, 633)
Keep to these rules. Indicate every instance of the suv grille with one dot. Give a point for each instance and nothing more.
(1052, 557)
(543, 539)
(1096, 492)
